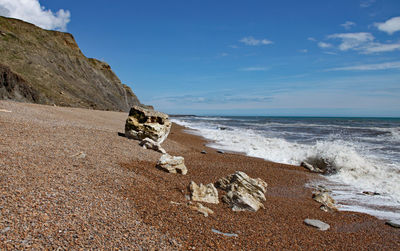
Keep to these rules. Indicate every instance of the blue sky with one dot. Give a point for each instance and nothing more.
(312, 58)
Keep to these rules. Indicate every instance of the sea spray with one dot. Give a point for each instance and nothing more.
(363, 154)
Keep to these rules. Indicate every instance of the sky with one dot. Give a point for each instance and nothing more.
(231, 57)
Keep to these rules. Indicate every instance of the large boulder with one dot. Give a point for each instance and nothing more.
(243, 193)
(147, 123)
(172, 164)
(203, 193)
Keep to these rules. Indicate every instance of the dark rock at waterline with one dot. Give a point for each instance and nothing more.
(220, 151)
(393, 224)
(320, 165)
(311, 167)
(370, 193)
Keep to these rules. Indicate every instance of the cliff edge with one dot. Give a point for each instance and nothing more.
(47, 67)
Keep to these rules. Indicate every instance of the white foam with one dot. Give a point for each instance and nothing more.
(359, 169)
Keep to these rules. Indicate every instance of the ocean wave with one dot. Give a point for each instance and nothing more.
(355, 164)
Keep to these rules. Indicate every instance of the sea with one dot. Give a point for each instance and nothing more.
(364, 153)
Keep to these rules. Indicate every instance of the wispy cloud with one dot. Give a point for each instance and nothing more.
(223, 54)
(390, 26)
(311, 39)
(348, 25)
(352, 40)
(369, 67)
(364, 42)
(324, 45)
(254, 69)
(233, 46)
(31, 11)
(303, 51)
(366, 3)
(378, 47)
(255, 42)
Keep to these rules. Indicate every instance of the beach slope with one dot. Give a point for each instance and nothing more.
(69, 179)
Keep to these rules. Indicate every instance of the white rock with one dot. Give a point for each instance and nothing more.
(148, 143)
(202, 209)
(203, 193)
(326, 200)
(147, 123)
(172, 164)
(243, 193)
(311, 167)
(317, 224)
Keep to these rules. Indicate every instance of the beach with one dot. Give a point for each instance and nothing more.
(70, 180)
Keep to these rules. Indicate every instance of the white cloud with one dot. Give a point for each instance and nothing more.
(369, 67)
(363, 42)
(31, 11)
(254, 42)
(311, 39)
(324, 45)
(378, 47)
(352, 40)
(348, 25)
(254, 69)
(366, 3)
(390, 26)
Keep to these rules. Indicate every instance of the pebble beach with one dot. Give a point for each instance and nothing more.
(70, 180)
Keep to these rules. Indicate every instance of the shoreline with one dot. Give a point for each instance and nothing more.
(279, 226)
(68, 180)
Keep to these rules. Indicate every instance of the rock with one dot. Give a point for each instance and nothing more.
(371, 193)
(80, 155)
(393, 224)
(148, 143)
(311, 167)
(203, 152)
(147, 123)
(202, 209)
(328, 204)
(5, 230)
(317, 224)
(226, 234)
(243, 192)
(172, 164)
(320, 165)
(220, 151)
(203, 193)
(3, 110)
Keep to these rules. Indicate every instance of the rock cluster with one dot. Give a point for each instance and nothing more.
(243, 193)
(203, 193)
(147, 123)
(172, 164)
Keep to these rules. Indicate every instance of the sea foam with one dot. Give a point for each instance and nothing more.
(358, 168)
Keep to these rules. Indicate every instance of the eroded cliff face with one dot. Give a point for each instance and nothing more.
(47, 67)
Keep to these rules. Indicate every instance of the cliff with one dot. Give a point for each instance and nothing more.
(47, 67)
